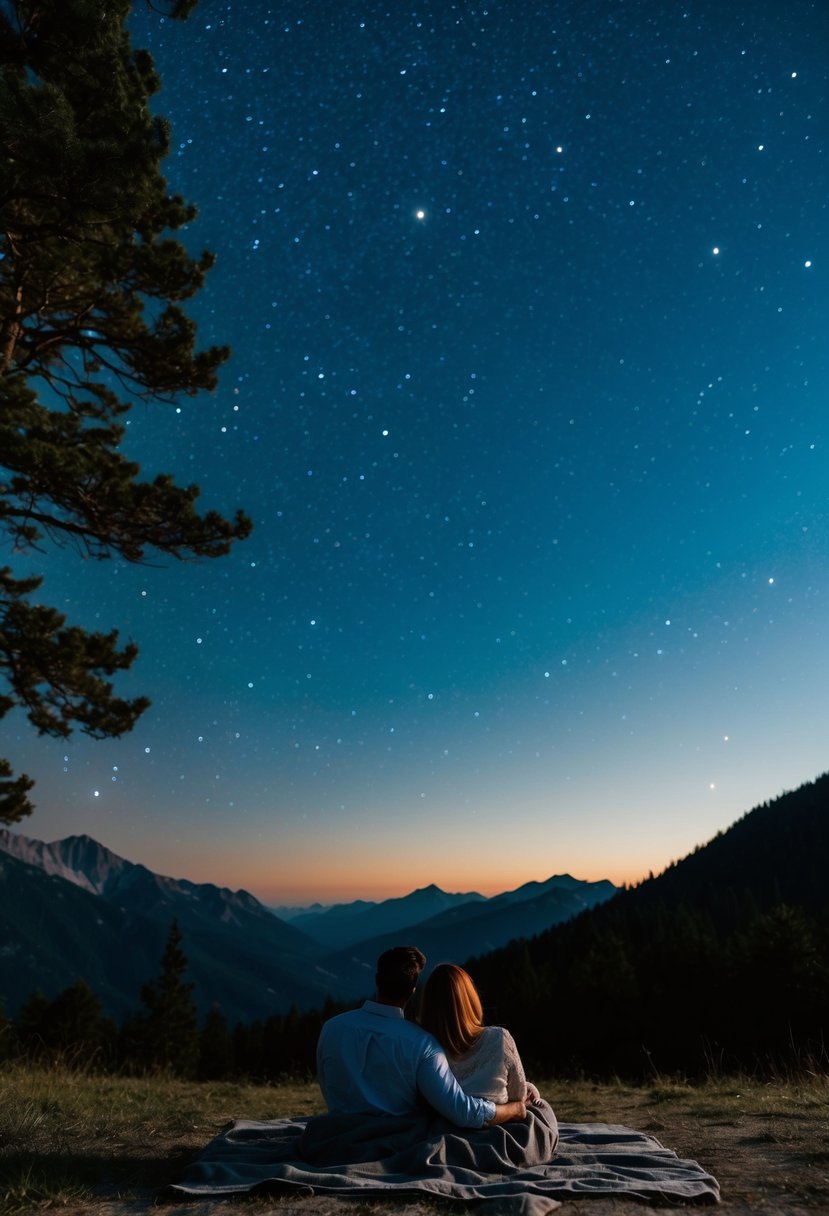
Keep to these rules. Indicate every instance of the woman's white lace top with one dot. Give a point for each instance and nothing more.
(492, 1068)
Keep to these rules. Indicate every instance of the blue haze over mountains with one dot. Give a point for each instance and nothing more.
(74, 910)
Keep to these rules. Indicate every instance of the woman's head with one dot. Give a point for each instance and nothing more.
(451, 1009)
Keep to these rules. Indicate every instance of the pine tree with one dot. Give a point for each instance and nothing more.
(169, 1030)
(72, 1027)
(78, 1028)
(91, 321)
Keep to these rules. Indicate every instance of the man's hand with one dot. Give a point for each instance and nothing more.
(504, 1111)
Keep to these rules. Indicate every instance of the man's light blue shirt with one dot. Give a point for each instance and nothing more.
(371, 1061)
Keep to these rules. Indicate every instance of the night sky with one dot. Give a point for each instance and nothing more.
(527, 401)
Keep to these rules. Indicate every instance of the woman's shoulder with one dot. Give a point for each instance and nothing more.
(497, 1038)
(487, 1042)
(505, 1040)
(498, 1032)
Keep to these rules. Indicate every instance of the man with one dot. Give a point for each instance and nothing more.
(372, 1061)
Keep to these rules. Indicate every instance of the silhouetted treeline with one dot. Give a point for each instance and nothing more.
(721, 962)
(164, 1035)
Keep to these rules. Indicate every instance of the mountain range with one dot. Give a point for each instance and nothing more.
(344, 924)
(72, 909)
(719, 961)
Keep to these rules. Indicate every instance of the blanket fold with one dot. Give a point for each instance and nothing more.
(422, 1144)
(516, 1164)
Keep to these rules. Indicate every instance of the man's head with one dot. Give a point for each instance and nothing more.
(397, 974)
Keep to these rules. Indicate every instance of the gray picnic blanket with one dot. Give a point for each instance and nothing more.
(518, 1165)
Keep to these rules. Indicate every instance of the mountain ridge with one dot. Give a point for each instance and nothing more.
(345, 924)
(240, 952)
(234, 944)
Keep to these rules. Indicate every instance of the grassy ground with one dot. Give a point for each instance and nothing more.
(103, 1146)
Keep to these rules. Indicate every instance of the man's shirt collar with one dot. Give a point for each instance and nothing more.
(385, 1011)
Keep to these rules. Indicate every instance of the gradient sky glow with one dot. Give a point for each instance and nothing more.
(528, 309)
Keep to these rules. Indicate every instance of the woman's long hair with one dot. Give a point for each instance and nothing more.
(451, 1009)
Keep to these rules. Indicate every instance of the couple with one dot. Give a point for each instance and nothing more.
(373, 1064)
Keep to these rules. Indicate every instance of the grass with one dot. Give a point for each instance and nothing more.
(103, 1145)
(66, 1136)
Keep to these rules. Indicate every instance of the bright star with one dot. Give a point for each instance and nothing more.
(420, 215)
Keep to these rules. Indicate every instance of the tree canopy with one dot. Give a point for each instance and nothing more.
(91, 321)
(168, 1035)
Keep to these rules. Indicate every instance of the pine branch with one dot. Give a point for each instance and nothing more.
(91, 288)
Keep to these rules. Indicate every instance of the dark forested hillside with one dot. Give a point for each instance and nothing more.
(721, 961)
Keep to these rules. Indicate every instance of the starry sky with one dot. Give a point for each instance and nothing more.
(527, 401)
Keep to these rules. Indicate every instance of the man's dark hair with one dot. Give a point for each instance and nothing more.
(397, 972)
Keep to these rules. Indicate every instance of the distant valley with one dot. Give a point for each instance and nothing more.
(72, 909)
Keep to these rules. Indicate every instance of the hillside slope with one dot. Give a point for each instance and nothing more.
(719, 961)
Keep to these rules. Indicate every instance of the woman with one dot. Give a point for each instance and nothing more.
(484, 1059)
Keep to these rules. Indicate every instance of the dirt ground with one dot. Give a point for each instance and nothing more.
(768, 1148)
